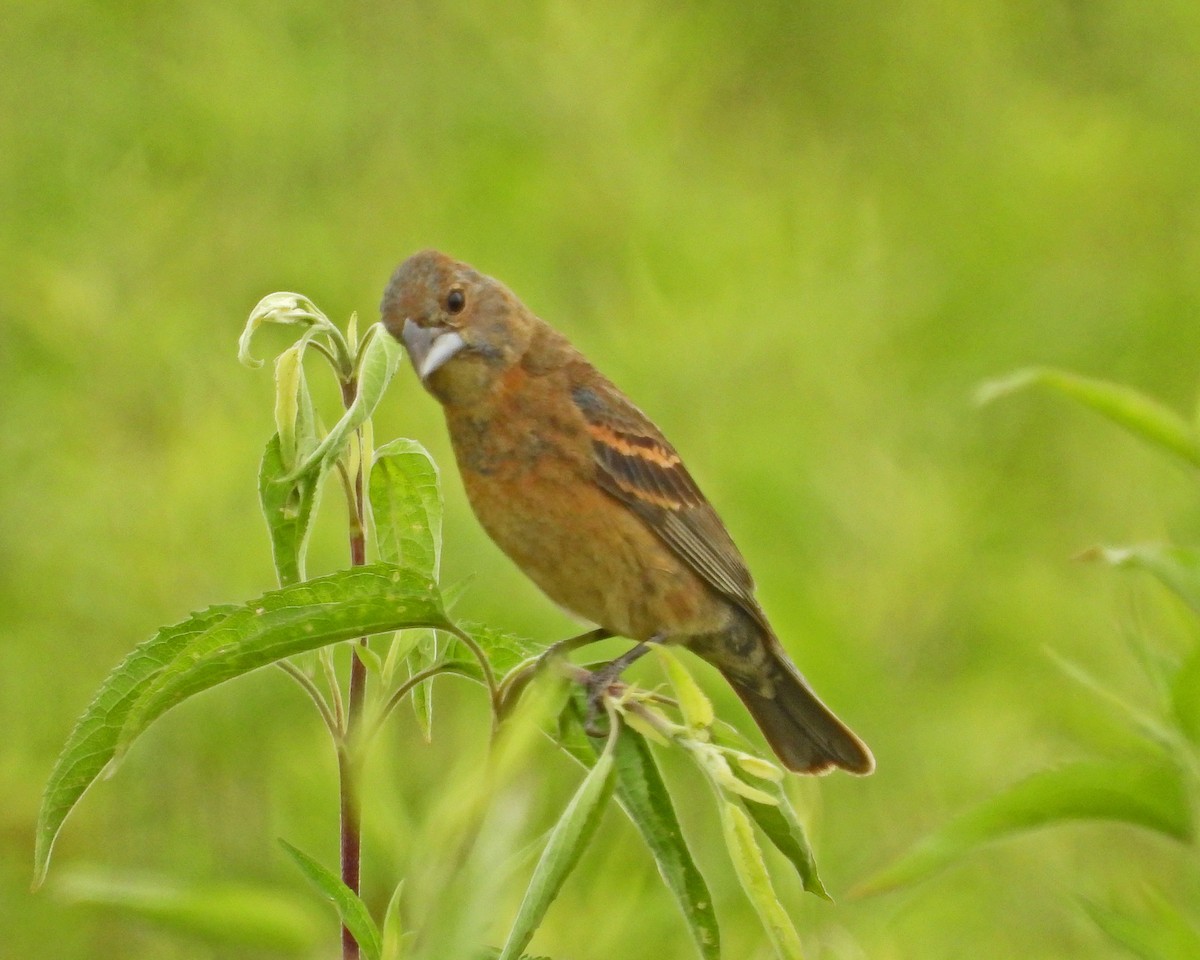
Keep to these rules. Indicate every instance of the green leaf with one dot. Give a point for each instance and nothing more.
(695, 706)
(291, 309)
(1145, 724)
(567, 842)
(643, 795)
(217, 645)
(1148, 794)
(378, 365)
(357, 602)
(289, 387)
(353, 912)
(422, 656)
(232, 915)
(491, 953)
(1176, 568)
(92, 743)
(288, 509)
(1144, 417)
(406, 502)
(1185, 696)
(778, 821)
(394, 939)
(1166, 934)
(756, 881)
(504, 650)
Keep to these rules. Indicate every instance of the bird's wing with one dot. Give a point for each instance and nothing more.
(637, 465)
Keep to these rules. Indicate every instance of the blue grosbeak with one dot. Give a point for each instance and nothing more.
(588, 498)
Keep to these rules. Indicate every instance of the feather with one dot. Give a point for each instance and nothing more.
(637, 465)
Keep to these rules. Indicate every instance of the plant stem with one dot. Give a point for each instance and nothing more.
(351, 826)
(348, 763)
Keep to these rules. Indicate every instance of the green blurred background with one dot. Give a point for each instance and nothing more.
(798, 234)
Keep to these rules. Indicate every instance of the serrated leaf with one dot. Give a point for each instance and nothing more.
(1177, 568)
(1150, 794)
(1165, 934)
(567, 842)
(406, 502)
(357, 602)
(217, 645)
(353, 912)
(1144, 417)
(504, 650)
(643, 796)
(91, 745)
(756, 881)
(379, 363)
(232, 915)
(288, 509)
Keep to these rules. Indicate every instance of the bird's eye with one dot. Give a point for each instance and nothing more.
(455, 300)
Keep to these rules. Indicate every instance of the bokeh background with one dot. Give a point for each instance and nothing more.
(799, 234)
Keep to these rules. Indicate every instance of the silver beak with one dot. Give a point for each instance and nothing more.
(429, 347)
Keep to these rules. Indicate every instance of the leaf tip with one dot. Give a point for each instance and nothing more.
(998, 387)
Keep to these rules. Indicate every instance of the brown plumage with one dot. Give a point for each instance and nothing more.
(588, 498)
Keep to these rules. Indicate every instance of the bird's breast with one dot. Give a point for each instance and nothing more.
(531, 482)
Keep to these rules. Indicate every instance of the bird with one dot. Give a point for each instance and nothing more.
(589, 499)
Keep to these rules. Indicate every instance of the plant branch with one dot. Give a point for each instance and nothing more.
(459, 667)
(489, 675)
(314, 694)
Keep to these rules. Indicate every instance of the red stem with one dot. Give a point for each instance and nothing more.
(351, 804)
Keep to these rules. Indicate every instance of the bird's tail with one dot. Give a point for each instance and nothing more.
(803, 732)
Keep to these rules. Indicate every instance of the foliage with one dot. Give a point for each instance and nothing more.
(396, 597)
(796, 233)
(1158, 790)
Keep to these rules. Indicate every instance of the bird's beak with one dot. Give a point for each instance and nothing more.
(428, 347)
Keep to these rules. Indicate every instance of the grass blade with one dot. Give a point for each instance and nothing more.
(1151, 795)
(1176, 568)
(1144, 417)
(229, 915)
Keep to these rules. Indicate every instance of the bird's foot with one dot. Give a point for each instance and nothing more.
(599, 685)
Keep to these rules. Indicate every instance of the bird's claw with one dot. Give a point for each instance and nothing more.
(597, 687)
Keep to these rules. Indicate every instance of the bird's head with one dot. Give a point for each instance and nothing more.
(462, 330)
